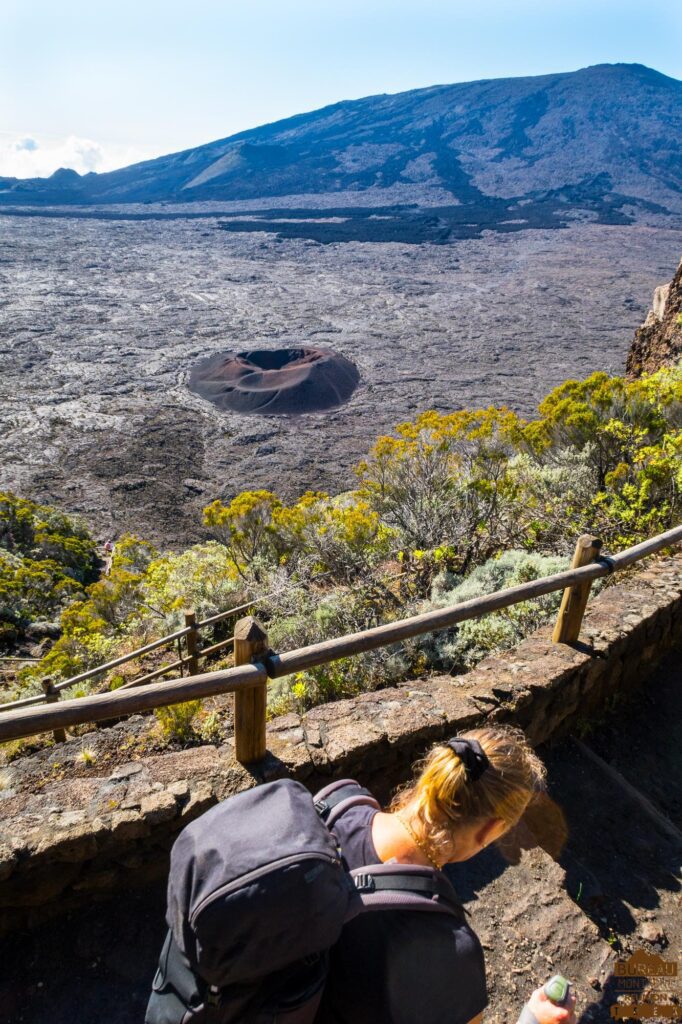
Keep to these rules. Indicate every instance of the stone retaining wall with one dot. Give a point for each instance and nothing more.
(73, 839)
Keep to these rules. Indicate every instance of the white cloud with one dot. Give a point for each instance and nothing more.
(28, 156)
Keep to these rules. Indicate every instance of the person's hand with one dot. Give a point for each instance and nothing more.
(547, 1012)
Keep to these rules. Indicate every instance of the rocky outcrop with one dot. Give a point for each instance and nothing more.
(658, 342)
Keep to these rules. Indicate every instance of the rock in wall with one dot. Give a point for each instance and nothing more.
(658, 342)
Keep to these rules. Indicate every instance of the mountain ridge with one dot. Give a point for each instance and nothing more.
(619, 125)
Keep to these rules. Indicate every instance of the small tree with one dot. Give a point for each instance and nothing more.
(245, 526)
(444, 481)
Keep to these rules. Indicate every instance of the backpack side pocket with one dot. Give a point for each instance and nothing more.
(176, 997)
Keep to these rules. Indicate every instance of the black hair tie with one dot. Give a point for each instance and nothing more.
(472, 755)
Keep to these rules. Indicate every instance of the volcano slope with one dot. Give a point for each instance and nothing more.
(599, 136)
(275, 382)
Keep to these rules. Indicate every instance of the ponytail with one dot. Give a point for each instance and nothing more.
(448, 792)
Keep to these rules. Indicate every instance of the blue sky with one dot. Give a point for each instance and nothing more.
(94, 85)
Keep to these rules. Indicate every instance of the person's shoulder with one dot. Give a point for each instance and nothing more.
(353, 832)
(355, 818)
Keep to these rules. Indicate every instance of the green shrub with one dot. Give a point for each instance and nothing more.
(176, 721)
(46, 560)
(210, 727)
(40, 533)
(444, 481)
(464, 645)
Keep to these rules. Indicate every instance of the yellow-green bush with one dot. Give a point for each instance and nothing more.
(447, 494)
(176, 721)
(46, 560)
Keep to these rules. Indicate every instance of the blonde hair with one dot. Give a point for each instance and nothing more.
(444, 797)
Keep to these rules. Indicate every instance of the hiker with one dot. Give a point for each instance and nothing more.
(285, 908)
(109, 549)
(397, 967)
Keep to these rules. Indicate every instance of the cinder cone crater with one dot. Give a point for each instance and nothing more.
(271, 382)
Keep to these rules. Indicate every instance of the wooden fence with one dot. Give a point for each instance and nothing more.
(255, 663)
(190, 633)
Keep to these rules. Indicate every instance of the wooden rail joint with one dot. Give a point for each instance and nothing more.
(51, 697)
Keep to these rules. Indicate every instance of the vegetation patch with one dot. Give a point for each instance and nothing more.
(47, 560)
(447, 508)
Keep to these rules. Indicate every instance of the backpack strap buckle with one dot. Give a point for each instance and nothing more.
(364, 882)
(336, 798)
(214, 996)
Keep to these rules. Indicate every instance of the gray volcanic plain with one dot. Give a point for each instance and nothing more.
(459, 245)
(102, 321)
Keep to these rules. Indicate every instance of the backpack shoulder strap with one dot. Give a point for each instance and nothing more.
(390, 886)
(332, 801)
(406, 887)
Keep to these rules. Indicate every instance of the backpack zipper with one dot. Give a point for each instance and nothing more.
(253, 876)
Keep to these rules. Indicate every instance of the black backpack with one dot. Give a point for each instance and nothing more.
(258, 893)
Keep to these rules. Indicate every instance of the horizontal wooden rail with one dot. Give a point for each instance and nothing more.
(107, 667)
(205, 651)
(225, 615)
(26, 721)
(141, 680)
(647, 547)
(25, 702)
(257, 600)
(118, 703)
(393, 632)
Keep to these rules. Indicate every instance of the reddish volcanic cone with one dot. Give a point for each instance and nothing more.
(276, 381)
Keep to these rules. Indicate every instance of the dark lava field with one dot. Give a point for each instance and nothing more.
(103, 319)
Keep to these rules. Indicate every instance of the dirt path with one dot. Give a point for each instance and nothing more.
(613, 888)
(616, 880)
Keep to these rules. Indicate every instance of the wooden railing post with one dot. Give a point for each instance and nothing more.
(192, 643)
(250, 644)
(574, 600)
(51, 697)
